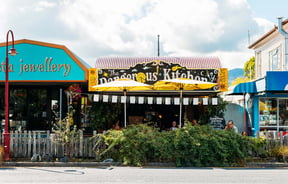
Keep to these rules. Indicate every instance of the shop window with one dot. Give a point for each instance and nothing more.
(27, 108)
(274, 59)
(17, 101)
(268, 112)
(259, 65)
(37, 109)
(2, 103)
(273, 114)
(283, 113)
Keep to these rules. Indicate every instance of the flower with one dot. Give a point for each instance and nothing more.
(75, 90)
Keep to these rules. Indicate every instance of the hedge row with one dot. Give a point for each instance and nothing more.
(199, 146)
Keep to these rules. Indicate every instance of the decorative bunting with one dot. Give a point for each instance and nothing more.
(132, 99)
(105, 98)
(114, 99)
(168, 101)
(195, 101)
(123, 99)
(176, 101)
(140, 100)
(185, 101)
(159, 101)
(214, 101)
(96, 98)
(205, 101)
(150, 100)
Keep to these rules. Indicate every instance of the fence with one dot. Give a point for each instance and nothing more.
(280, 138)
(274, 140)
(27, 143)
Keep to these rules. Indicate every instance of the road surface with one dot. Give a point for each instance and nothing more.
(137, 175)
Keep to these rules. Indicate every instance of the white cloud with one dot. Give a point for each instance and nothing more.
(264, 27)
(94, 28)
(44, 4)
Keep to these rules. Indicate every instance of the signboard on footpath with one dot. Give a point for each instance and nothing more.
(217, 122)
(153, 71)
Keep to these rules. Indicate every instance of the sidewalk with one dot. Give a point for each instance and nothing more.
(60, 164)
(109, 164)
(267, 165)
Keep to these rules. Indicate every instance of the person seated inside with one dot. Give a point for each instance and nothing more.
(174, 126)
(231, 126)
(194, 122)
(116, 126)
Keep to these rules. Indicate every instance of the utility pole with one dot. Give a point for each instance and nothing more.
(158, 45)
(248, 37)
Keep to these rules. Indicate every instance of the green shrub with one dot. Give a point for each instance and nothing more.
(280, 153)
(188, 146)
(204, 146)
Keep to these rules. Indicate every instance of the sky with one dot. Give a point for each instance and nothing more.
(97, 28)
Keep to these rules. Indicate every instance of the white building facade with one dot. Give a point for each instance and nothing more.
(267, 95)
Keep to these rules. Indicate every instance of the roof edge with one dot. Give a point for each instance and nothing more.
(266, 35)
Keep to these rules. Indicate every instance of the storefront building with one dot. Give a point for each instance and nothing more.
(39, 76)
(162, 105)
(266, 97)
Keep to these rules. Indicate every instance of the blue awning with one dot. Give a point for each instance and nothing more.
(276, 80)
(247, 87)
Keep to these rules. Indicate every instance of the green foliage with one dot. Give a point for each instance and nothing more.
(101, 114)
(64, 131)
(204, 146)
(135, 145)
(249, 72)
(187, 146)
(249, 68)
(279, 152)
(257, 146)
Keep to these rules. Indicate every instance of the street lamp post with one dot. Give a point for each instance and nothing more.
(12, 52)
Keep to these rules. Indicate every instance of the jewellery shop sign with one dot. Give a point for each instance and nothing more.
(151, 72)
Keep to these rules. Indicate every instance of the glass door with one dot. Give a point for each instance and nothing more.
(283, 114)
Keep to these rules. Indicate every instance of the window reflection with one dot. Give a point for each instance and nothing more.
(27, 108)
(273, 114)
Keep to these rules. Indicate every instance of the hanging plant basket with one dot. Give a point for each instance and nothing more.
(75, 91)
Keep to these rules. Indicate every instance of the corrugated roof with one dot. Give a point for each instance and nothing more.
(189, 62)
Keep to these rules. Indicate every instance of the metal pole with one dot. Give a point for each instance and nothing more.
(180, 112)
(158, 45)
(6, 133)
(125, 119)
(244, 106)
(60, 105)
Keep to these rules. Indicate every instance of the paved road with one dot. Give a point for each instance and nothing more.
(140, 175)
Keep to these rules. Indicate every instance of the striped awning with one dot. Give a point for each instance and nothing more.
(189, 62)
(246, 87)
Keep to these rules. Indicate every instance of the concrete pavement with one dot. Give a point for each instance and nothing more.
(109, 164)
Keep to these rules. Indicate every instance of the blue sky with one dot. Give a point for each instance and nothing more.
(269, 9)
(95, 28)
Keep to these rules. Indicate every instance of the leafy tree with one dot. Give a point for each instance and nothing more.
(239, 80)
(249, 72)
(249, 68)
